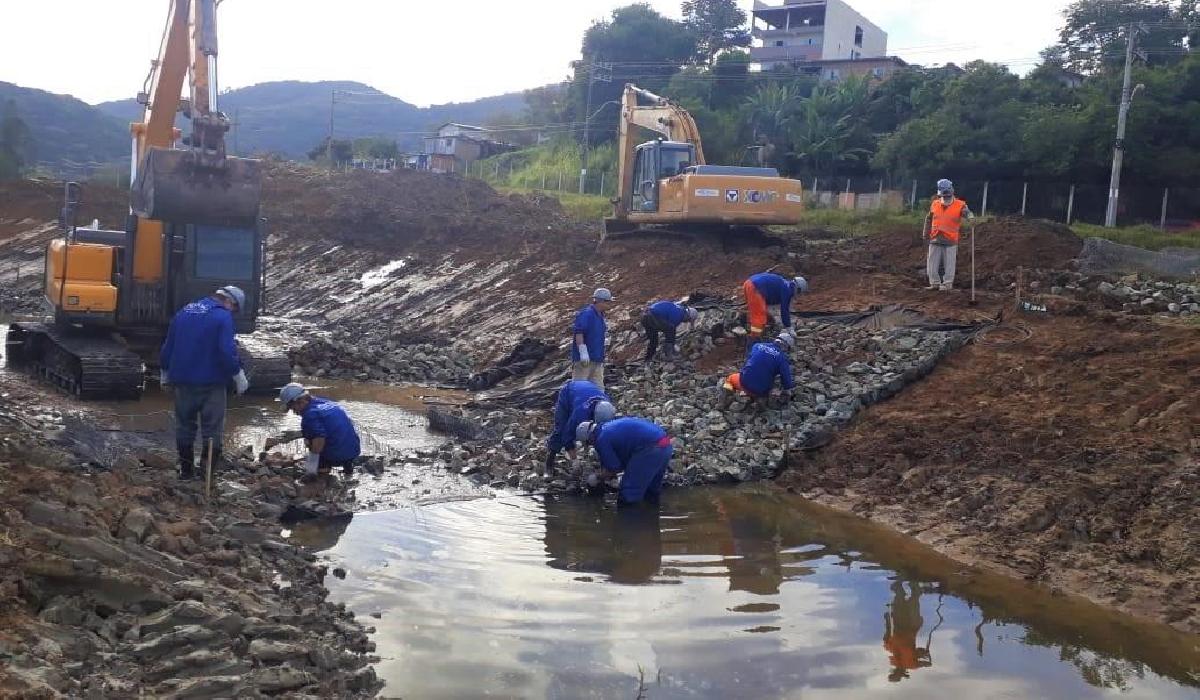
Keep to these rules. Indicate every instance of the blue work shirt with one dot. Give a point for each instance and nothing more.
(589, 323)
(765, 362)
(669, 312)
(617, 441)
(576, 400)
(778, 291)
(323, 418)
(200, 348)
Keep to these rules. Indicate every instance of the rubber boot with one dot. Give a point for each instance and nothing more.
(187, 462)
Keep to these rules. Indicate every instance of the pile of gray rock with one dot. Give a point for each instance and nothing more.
(364, 358)
(838, 370)
(1137, 295)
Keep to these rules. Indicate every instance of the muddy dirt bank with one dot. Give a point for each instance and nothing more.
(120, 581)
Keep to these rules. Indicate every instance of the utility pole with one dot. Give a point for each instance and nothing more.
(236, 120)
(595, 72)
(1114, 186)
(329, 141)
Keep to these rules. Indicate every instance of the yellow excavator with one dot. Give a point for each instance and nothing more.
(666, 183)
(193, 227)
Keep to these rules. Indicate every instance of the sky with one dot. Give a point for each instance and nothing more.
(427, 52)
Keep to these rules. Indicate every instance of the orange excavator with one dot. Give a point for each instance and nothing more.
(666, 183)
(193, 227)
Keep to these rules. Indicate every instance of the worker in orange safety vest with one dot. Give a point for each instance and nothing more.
(942, 228)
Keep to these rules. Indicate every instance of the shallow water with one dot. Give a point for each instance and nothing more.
(722, 594)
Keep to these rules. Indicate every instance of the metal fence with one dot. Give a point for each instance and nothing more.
(1169, 208)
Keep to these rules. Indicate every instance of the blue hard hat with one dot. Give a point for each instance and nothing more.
(291, 392)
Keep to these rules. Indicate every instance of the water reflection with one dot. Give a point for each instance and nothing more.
(902, 622)
(590, 536)
(719, 594)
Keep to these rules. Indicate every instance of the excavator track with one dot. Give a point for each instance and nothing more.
(267, 367)
(87, 365)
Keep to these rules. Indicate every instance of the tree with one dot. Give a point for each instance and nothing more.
(645, 47)
(342, 151)
(16, 143)
(718, 25)
(1094, 35)
(827, 131)
(374, 147)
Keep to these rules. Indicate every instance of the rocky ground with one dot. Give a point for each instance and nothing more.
(1056, 442)
(120, 581)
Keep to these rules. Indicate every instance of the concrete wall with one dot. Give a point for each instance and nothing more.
(840, 23)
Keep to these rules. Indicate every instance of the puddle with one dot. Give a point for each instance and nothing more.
(724, 594)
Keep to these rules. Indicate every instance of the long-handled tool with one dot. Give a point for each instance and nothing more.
(972, 303)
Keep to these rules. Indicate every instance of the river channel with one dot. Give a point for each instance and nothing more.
(721, 593)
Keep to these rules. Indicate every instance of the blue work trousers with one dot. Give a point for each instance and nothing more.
(643, 476)
(203, 404)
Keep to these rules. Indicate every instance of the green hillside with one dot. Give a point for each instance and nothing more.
(64, 130)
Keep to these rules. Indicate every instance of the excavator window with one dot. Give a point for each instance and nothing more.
(673, 161)
(225, 253)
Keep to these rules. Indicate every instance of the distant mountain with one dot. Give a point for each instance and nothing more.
(291, 117)
(66, 131)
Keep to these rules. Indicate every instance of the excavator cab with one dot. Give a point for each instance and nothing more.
(655, 161)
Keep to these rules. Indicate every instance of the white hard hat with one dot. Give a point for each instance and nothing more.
(583, 434)
(801, 284)
(692, 313)
(603, 412)
(945, 187)
(602, 294)
(291, 392)
(234, 293)
(787, 339)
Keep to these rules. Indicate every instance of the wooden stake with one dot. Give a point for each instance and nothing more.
(208, 472)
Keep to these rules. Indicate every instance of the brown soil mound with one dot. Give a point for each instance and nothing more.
(1073, 452)
(389, 212)
(1002, 246)
(41, 200)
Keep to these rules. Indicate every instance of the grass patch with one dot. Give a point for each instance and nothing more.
(588, 208)
(1147, 237)
(853, 224)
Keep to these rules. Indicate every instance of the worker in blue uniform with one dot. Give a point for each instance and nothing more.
(637, 449)
(199, 358)
(665, 317)
(578, 401)
(327, 431)
(756, 378)
(588, 335)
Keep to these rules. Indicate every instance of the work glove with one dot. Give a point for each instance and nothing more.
(311, 463)
(164, 381)
(584, 358)
(240, 383)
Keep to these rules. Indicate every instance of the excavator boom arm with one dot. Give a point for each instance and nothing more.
(660, 116)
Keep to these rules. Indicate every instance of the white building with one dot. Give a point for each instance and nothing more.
(798, 32)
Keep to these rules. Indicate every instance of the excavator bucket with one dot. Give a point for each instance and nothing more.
(173, 186)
